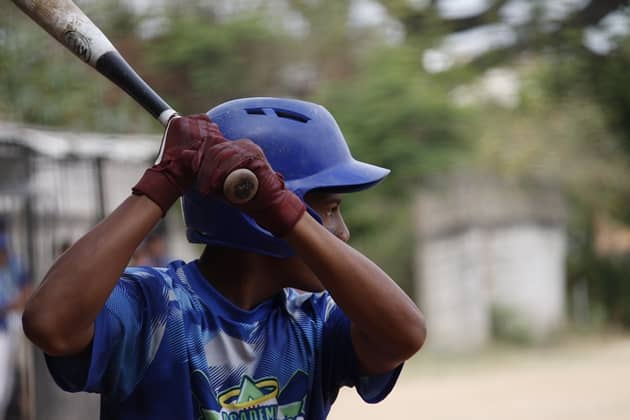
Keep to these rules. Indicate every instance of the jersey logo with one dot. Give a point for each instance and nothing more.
(249, 393)
(262, 399)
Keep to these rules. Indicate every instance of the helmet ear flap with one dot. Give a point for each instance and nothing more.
(302, 141)
(214, 222)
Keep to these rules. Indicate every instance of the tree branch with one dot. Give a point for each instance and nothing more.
(490, 15)
(417, 21)
(593, 12)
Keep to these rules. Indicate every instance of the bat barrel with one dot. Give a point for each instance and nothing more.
(67, 23)
(116, 69)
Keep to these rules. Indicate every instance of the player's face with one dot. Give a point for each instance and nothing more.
(328, 207)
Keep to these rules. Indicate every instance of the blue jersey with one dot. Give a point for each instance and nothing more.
(168, 346)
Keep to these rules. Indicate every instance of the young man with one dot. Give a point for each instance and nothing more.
(228, 336)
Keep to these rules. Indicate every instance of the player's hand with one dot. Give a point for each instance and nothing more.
(168, 179)
(273, 207)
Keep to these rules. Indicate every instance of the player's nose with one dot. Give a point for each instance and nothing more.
(342, 232)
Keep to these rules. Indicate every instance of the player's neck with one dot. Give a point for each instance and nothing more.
(244, 278)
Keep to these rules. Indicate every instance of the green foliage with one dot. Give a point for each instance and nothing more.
(42, 83)
(562, 136)
(608, 281)
(200, 62)
(508, 326)
(606, 276)
(381, 226)
(564, 143)
(394, 115)
(604, 78)
(193, 60)
(598, 169)
(601, 167)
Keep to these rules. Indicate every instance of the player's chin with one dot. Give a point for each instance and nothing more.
(308, 283)
(301, 277)
(312, 288)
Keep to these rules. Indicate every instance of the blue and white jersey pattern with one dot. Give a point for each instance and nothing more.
(167, 345)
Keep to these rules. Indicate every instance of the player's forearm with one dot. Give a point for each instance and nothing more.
(59, 316)
(379, 310)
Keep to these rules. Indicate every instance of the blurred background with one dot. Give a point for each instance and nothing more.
(506, 217)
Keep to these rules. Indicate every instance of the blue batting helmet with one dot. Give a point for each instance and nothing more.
(303, 142)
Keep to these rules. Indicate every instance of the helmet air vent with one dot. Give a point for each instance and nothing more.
(292, 115)
(255, 111)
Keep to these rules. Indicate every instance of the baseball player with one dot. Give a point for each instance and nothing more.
(274, 317)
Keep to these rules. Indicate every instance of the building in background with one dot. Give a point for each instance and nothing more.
(54, 186)
(491, 260)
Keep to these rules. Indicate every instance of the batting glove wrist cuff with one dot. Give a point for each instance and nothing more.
(158, 186)
(282, 215)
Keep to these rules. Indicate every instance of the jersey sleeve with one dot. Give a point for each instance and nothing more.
(340, 363)
(127, 334)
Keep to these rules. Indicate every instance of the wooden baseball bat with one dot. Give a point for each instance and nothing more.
(67, 23)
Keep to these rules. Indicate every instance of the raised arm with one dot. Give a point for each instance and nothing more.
(386, 326)
(59, 317)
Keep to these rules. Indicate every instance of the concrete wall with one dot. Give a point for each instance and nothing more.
(528, 279)
(490, 257)
(452, 291)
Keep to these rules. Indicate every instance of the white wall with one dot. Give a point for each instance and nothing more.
(453, 292)
(489, 254)
(529, 277)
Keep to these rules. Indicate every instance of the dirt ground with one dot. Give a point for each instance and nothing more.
(578, 379)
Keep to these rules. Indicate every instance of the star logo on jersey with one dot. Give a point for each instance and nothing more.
(250, 393)
(262, 399)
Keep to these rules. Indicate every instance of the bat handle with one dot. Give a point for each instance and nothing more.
(240, 186)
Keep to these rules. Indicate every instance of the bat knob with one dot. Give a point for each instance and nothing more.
(240, 186)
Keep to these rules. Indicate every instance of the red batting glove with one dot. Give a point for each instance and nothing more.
(173, 174)
(273, 207)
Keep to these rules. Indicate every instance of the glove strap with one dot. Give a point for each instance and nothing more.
(280, 218)
(156, 185)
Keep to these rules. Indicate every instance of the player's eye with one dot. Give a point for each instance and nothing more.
(332, 210)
